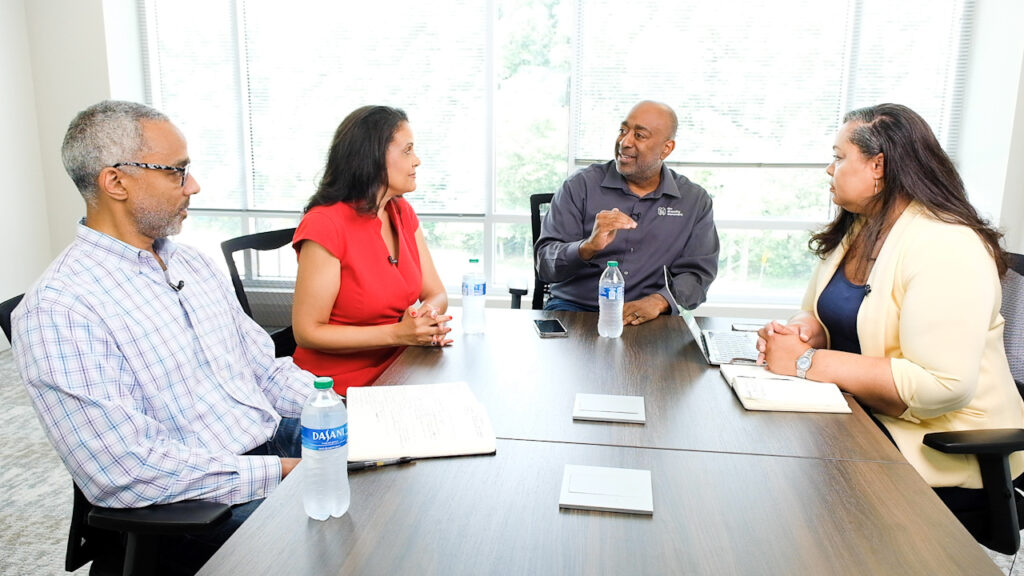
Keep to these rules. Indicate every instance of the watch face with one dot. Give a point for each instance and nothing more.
(803, 363)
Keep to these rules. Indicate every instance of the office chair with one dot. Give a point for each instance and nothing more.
(538, 207)
(6, 308)
(998, 526)
(125, 540)
(276, 317)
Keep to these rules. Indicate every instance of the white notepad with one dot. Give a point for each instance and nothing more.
(607, 489)
(609, 408)
(759, 389)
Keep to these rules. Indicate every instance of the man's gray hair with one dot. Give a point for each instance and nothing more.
(103, 135)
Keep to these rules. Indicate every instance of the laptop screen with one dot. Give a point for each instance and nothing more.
(691, 323)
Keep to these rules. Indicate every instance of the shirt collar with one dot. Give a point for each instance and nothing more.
(667, 186)
(107, 247)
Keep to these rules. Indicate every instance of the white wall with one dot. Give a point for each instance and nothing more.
(25, 233)
(992, 140)
(69, 70)
(1013, 197)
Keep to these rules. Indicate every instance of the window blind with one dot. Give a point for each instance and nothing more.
(264, 85)
(763, 82)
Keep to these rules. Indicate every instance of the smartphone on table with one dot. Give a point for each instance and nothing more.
(550, 328)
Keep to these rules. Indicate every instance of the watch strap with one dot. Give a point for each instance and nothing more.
(803, 363)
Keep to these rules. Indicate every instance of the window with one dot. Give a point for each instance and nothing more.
(506, 97)
(760, 88)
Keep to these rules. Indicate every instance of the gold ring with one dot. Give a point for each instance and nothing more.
(635, 315)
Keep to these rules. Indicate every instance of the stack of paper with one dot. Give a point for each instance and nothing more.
(759, 389)
(419, 421)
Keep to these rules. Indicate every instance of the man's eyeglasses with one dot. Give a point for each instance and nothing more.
(182, 169)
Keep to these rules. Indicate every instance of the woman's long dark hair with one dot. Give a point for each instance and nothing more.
(357, 169)
(914, 167)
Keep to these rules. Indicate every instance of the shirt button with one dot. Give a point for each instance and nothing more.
(260, 493)
(625, 272)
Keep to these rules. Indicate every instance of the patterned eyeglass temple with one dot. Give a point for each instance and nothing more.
(183, 169)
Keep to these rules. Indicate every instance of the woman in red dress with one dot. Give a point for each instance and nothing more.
(363, 262)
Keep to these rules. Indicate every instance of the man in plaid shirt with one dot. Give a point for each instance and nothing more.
(151, 382)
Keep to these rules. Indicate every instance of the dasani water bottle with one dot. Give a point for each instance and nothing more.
(325, 452)
(474, 295)
(611, 294)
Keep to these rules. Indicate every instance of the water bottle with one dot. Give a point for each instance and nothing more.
(611, 294)
(325, 452)
(474, 290)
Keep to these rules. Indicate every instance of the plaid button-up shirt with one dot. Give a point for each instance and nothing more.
(150, 394)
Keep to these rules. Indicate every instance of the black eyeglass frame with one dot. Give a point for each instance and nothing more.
(183, 169)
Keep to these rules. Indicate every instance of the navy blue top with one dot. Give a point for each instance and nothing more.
(838, 305)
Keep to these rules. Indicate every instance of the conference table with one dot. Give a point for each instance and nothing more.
(735, 492)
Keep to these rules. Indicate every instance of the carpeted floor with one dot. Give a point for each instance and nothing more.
(35, 490)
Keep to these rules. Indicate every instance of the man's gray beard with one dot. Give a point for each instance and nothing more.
(646, 172)
(154, 225)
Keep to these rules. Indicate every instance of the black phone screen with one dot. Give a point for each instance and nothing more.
(549, 327)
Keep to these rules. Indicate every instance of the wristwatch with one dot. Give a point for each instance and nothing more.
(803, 363)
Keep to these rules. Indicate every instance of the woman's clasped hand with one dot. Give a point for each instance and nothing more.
(424, 326)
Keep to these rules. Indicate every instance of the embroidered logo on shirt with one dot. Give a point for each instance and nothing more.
(666, 211)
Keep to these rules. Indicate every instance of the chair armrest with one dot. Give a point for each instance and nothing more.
(188, 517)
(997, 441)
(517, 297)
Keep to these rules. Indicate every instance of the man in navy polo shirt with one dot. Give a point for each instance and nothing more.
(638, 212)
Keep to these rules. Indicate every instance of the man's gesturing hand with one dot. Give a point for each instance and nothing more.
(607, 223)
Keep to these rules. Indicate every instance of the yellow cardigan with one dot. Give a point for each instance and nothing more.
(934, 310)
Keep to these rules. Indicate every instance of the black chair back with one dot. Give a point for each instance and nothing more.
(1013, 312)
(6, 308)
(274, 309)
(539, 204)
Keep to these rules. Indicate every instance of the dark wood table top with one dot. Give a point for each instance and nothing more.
(714, 513)
(528, 386)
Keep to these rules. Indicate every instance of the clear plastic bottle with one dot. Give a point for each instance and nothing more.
(474, 291)
(325, 452)
(611, 294)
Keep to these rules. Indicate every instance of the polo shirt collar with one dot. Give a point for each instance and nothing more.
(667, 186)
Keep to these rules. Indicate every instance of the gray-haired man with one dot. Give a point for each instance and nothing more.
(151, 382)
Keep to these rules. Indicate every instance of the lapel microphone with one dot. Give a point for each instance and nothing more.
(393, 260)
(177, 287)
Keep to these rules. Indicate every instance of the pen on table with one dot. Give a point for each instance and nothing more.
(379, 463)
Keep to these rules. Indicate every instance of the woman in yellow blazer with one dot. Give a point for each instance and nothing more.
(903, 310)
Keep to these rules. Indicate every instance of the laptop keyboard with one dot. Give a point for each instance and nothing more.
(726, 346)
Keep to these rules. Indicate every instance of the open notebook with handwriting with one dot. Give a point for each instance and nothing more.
(417, 421)
(759, 389)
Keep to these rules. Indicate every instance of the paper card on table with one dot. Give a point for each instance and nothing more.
(759, 389)
(607, 489)
(609, 408)
(421, 421)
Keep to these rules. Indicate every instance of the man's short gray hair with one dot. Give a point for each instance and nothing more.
(103, 135)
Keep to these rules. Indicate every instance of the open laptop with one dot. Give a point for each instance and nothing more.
(718, 346)
(722, 346)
